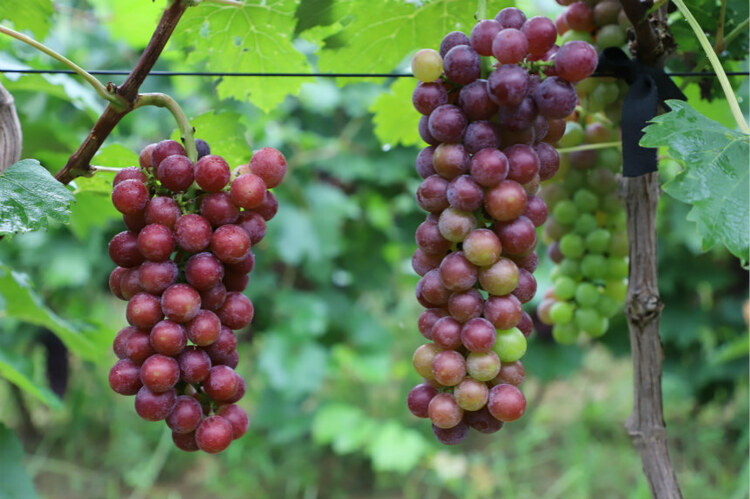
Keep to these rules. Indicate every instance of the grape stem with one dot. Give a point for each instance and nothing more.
(590, 147)
(79, 162)
(115, 100)
(734, 106)
(186, 129)
(231, 3)
(481, 10)
(105, 168)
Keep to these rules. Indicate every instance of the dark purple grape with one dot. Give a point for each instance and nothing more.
(218, 209)
(222, 383)
(481, 135)
(541, 33)
(427, 319)
(511, 17)
(130, 196)
(144, 311)
(162, 210)
(424, 162)
(462, 65)
(129, 173)
(270, 165)
(212, 173)
(419, 399)
(579, 16)
(423, 262)
(443, 410)
(168, 338)
(268, 208)
(448, 367)
(446, 333)
(424, 131)
(114, 282)
(186, 415)
(555, 98)
(237, 417)
(202, 147)
(125, 378)
(139, 346)
(155, 242)
(523, 163)
(163, 150)
(230, 243)
(529, 262)
(145, 157)
(180, 303)
(506, 403)
(447, 123)
(504, 312)
(123, 250)
(457, 273)
(432, 194)
(428, 96)
(433, 289)
(517, 236)
(247, 191)
(482, 421)
(204, 271)
(536, 210)
(464, 193)
(153, 406)
(194, 365)
(549, 160)
(214, 434)
(482, 35)
(214, 298)
(160, 373)
(237, 311)
(510, 46)
(225, 344)
(466, 305)
(478, 335)
(474, 100)
(520, 117)
(450, 160)
(176, 173)
(430, 240)
(120, 343)
(451, 436)
(511, 373)
(192, 232)
(488, 167)
(451, 40)
(245, 266)
(136, 221)
(185, 441)
(526, 288)
(505, 201)
(204, 328)
(526, 324)
(508, 85)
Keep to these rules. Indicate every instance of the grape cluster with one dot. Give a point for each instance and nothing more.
(586, 234)
(182, 265)
(489, 149)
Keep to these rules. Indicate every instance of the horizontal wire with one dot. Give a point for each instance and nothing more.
(115, 72)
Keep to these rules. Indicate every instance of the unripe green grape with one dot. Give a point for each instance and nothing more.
(573, 135)
(574, 180)
(570, 267)
(601, 180)
(572, 35)
(613, 112)
(553, 193)
(561, 312)
(565, 334)
(605, 94)
(564, 288)
(571, 246)
(554, 230)
(610, 158)
(585, 224)
(483, 366)
(618, 268)
(585, 87)
(617, 289)
(587, 294)
(590, 322)
(608, 306)
(598, 241)
(427, 65)
(585, 200)
(611, 35)
(610, 203)
(510, 344)
(594, 267)
(565, 212)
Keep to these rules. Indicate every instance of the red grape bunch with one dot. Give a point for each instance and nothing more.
(489, 149)
(183, 265)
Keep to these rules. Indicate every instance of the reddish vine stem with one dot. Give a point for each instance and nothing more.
(646, 425)
(79, 163)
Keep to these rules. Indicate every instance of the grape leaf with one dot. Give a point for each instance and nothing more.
(395, 118)
(22, 303)
(17, 370)
(33, 15)
(28, 195)
(715, 179)
(133, 22)
(254, 38)
(396, 448)
(15, 482)
(378, 35)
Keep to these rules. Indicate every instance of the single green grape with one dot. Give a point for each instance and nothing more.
(610, 158)
(570, 267)
(565, 212)
(607, 306)
(611, 35)
(573, 135)
(585, 200)
(618, 268)
(617, 289)
(598, 241)
(605, 93)
(594, 267)
(561, 312)
(590, 322)
(564, 288)
(575, 179)
(585, 224)
(572, 34)
(427, 65)
(571, 246)
(565, 334)
(510, 344)
(587, 294)
(618, 244)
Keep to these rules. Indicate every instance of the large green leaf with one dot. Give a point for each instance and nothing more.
(32, 15)
(378, 35)
(254, 38)
(22, 303)
(133, 22)
(29, 194)
(15, 482)
(17, 370)
(226, 135)
(395, 118)
(715, 179)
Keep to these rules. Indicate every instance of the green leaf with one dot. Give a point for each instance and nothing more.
(133, 22)
(254, 38)
(17, 370)
(33, 15)
(377, 36)
(116, 155)
(15, 482)
(92, 209)
(22, 303)
(28, 195)
(292, 367)
(715, 179)
(395, 448)
(342, 426)
(395, 118)
(226, 135)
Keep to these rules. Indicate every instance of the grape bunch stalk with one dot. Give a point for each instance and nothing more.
(183, 265)
(586, 235)
(490, 142)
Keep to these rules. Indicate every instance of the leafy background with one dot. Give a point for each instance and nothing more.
(328, 355)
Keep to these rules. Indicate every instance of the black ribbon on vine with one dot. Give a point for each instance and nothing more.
(648, 88)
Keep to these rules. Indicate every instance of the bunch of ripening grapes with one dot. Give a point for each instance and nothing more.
(490, 142)
(182, 265)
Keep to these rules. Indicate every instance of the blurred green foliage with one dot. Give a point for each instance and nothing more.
(328, 356)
